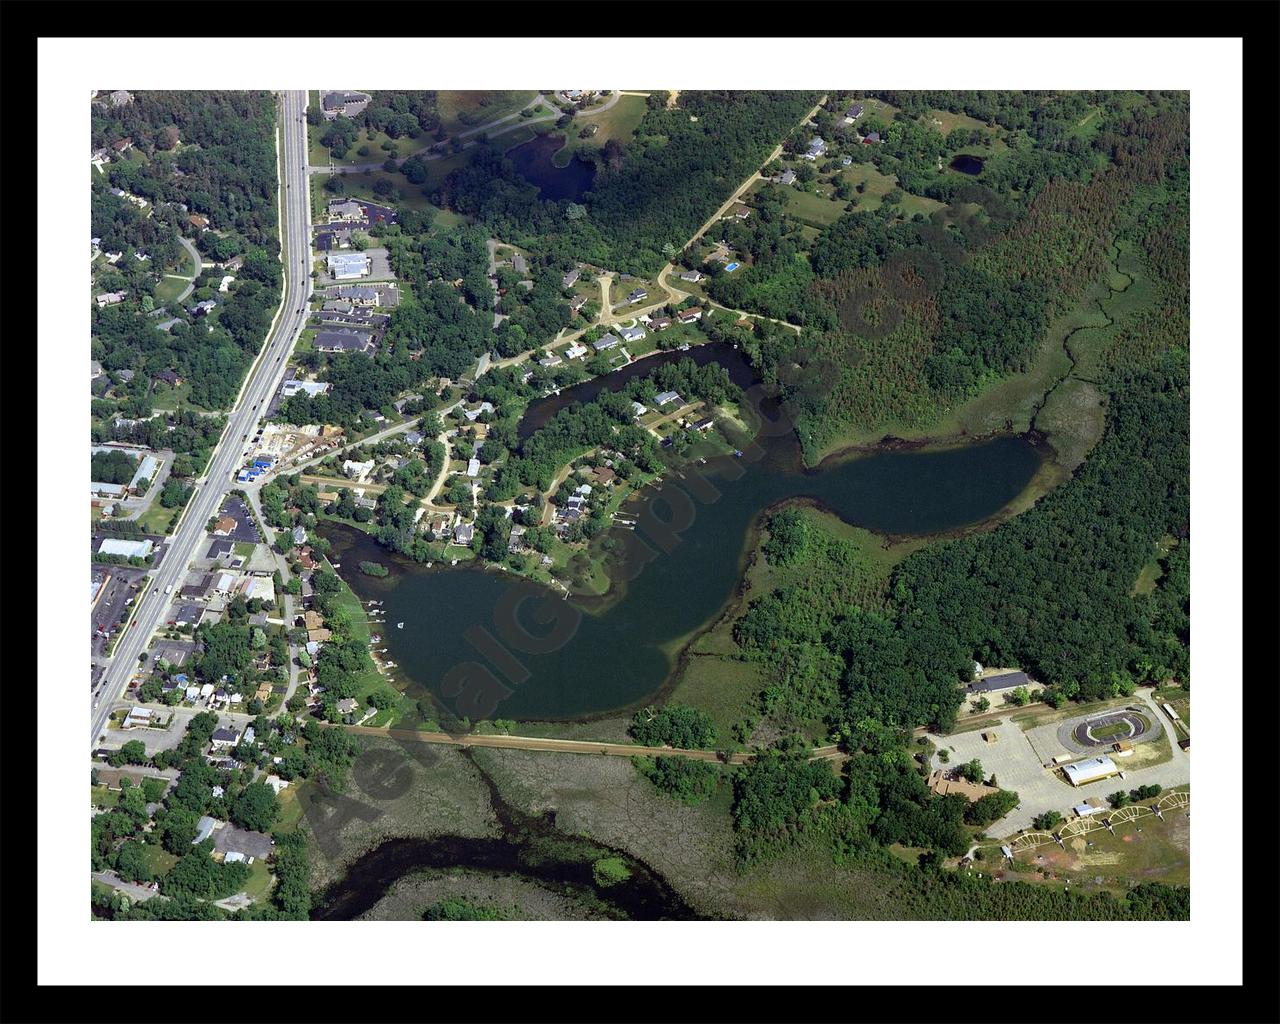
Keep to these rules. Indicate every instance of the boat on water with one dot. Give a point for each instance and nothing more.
(454, 562)
(399, 625)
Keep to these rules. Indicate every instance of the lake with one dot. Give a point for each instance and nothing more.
(533, 161)
(620, 652)
(967, 164)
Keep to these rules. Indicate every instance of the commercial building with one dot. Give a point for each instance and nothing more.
(346, 266)
(1092, 770)
(127, 548)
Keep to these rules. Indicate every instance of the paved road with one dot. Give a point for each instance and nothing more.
(195, 255)
(255, 395)
(137, 892)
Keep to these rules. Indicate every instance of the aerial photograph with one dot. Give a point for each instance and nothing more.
(637, 504)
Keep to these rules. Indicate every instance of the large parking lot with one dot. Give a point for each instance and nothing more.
(1017, 760)
(117, 587)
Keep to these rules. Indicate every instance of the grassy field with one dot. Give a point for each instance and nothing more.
(168, 289)
(619, 122)
(1161, 852)
(814, 209)
(1149, 575)
(158, 859)
(156, 518)
(318, 155)
(101, 796)
(461, 110)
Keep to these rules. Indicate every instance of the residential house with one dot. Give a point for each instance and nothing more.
(638, 295)
(224, 738)
(741, 212)
(667, 397)
(845, 161)
(198, 221)
(473, 467)
(578, 303)
(688, 316)
(550, 360)
(660, 323)
(816, 148)
(853, 113)
(788, 177)
(203, 308)
(872, 137)
(691, 275)
(632, 333)
(568, 280)
(346, 706)
(604, 474)
(518, 264)
(576, 351)
(607, 342)
(463, 533)
(123, 146)
(109, 299)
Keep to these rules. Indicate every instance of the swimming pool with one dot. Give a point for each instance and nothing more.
(730, 267)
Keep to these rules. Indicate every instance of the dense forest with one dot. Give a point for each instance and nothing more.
(679, 167)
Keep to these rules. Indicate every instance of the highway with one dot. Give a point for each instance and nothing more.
(263, 379)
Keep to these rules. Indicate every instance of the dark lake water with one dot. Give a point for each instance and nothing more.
(541, 411)
(533, 161)
(619, 654)
(967, 164)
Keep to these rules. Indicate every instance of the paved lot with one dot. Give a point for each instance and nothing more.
(117, 588)
(245, 529)
(1017, 759)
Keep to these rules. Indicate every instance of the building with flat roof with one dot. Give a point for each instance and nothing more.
(1092, 770)
(346, 266)
(127, 548)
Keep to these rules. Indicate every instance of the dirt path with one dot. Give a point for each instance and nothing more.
(566, 746)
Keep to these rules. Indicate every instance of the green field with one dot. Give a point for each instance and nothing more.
(156, 518)
(461, 110)
(619, 122)
(318, 155)
(814, 209)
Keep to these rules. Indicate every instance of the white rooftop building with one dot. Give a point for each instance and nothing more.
(127, 548)
(1092, 770)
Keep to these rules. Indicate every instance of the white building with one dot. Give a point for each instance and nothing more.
(346, 266)
(127, 548)
(1095, 768)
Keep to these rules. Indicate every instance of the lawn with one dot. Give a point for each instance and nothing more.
(101, 796)
(318, 155)
(259, 882)
(1149, 575)
(158, 859)
(156, 518)
(1159, 853)
(620, 123)
(814, 209)
(168, 289)
(461, 110)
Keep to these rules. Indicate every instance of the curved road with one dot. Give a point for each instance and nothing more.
(195, 255)
(255, 394)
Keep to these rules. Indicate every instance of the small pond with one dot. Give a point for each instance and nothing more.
(967, 163)
(533, 161)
